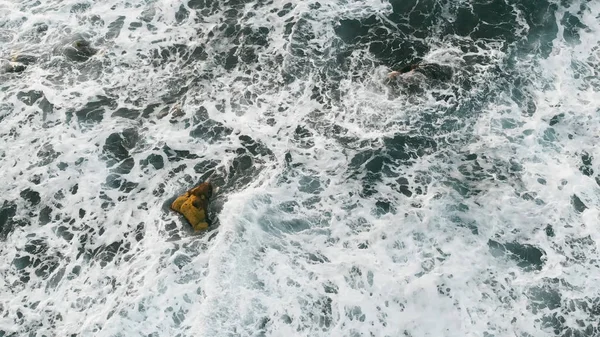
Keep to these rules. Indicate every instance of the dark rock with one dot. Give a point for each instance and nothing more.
(435, 71)
(11, 67)
(78, 50)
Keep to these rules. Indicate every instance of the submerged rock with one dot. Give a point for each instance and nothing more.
(193, 205)
(17, 63)
(24, 59)
(431, 71)
(77, 49)
(11, 67)
(404, 70)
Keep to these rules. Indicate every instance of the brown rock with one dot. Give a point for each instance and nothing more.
(193, 205)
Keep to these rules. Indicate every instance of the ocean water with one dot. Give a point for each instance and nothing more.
(461, 199)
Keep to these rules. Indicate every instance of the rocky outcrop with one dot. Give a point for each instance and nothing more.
(193, 205)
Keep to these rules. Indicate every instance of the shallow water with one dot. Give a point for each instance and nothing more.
(459, 200)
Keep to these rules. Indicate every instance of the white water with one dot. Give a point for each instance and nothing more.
(299, 251)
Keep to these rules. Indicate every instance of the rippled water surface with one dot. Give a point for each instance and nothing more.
(460, 199)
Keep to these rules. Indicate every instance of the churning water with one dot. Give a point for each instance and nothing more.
(460, 199)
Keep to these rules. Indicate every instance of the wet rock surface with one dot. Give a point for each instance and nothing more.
(193, 205)
(76, 49)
